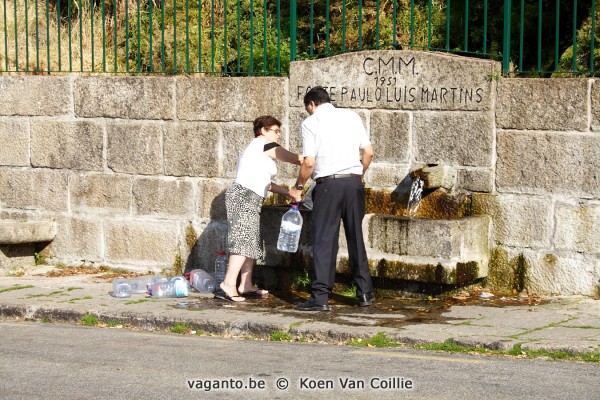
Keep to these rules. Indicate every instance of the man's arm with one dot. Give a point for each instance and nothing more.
(306, 169)
(367, 157)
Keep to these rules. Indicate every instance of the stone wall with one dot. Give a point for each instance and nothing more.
(133, 169)
(545, 202)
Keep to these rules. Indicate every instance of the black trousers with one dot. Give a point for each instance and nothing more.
(334, 200)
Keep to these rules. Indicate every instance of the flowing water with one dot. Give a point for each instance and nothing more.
(416, 191)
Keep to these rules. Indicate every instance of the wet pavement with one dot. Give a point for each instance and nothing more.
(392, 312)
(570, 324)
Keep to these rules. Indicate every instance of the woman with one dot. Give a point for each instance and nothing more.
(256, 168)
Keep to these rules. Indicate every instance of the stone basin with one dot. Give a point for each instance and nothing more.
(431, 251)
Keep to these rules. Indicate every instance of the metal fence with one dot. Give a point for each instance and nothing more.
(261, 37)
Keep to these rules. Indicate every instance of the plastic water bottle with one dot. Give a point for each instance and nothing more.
(220, 267)
(121, 288)
(174, 287)
(289, 232)
(140, 284)
(158, 278)
(202, 281)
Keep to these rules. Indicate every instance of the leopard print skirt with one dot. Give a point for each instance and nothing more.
(243, 218)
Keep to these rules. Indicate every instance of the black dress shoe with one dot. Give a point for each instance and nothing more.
(309, 305)
(366, 299)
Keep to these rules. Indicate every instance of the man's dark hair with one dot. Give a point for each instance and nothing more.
(265, 121)
(318, 95)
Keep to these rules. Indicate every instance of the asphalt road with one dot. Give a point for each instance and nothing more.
(56, 361)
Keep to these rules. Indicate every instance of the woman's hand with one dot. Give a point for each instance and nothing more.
(295, 194)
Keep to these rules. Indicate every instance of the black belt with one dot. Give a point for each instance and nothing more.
(335, 176)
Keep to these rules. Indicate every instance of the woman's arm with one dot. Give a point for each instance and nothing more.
(275, 188)
(280, 154)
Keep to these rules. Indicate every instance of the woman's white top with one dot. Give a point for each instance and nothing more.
(255, 169)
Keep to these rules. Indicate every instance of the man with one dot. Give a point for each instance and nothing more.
(332, 141)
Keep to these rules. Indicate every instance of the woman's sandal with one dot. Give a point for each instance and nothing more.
(223, 295)
(258, 292)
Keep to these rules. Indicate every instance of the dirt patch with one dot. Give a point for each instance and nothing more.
(102, 273)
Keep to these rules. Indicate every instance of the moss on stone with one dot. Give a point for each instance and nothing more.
(500, 274)
(505, 273)
(384, 202)
(437, 204)
(190, 236)
(429, 273)
(177, 267)
(521, 273)
(466, 272)
(550, 259)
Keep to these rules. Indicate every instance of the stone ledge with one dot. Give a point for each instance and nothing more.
(458, 239)
(422, 269)
(12, 232)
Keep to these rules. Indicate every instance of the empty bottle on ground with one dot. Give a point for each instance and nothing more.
(174, 287)
(289, 232)
(140, 284)
(220, 267)
(202, 281)
(121, 288)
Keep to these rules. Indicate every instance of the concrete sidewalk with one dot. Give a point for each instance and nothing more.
(569, 324)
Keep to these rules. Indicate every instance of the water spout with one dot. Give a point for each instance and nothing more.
(414, 200)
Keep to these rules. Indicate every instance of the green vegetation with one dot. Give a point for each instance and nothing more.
(73, 300)
(495, 76)
(582, 62)
(281, 336)
(54, 293)
(39, 258)
(180, 329)
(89, 320)
(191, 237)
(111, 323)
(452, 347)
(15, 287)
(379, 340)
(252, 37)
(555, 355)
(509, 274)
(348, 291)
(301, 280)
(178, 264)
(542, 327)
(137, 301)
(369, 28)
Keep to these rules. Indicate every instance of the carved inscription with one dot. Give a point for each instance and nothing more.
(391, 80)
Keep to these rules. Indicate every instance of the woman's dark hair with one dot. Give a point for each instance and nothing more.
(264, 121)
(318, 95)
